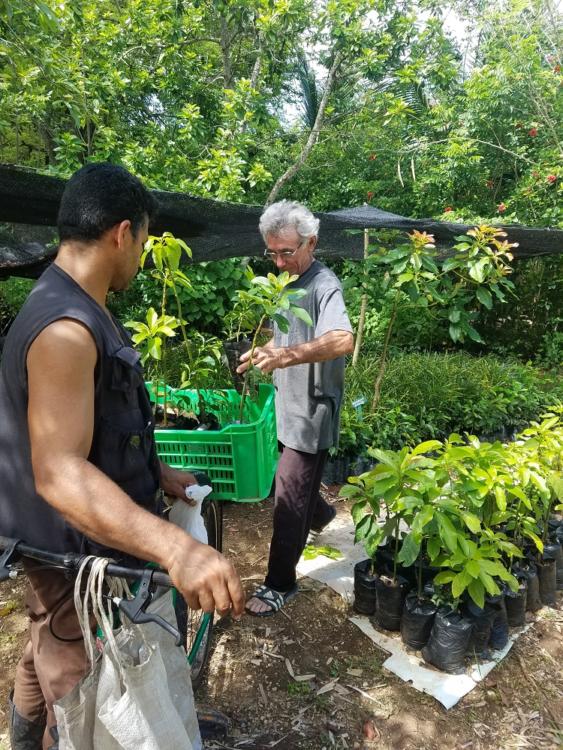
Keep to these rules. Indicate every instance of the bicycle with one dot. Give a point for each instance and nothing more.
(194, 628)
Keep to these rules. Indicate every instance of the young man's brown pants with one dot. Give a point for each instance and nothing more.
(54, 659)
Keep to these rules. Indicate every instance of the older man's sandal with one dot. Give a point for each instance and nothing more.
(274, 599)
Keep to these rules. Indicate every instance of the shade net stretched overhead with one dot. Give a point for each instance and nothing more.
(213, 229)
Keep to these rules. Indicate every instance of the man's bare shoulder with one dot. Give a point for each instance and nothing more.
(65, 337)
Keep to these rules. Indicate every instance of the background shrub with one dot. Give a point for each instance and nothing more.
(430, 395)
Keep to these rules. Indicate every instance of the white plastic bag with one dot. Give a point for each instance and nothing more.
(188, 517)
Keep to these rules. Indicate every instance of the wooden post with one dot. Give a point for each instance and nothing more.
(363, 307)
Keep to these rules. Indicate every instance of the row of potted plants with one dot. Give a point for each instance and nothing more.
(460, 535)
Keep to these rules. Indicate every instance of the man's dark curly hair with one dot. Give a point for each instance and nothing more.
(98, 197)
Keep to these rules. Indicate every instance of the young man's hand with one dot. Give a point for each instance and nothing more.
(173, 482)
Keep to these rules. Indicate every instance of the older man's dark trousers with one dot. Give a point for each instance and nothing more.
(297, 504)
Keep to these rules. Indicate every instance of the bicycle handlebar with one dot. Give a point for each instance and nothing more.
(71, 561)
(135, 609)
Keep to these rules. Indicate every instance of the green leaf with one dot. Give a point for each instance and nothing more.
(484, 297)
(473, 334)
(426, 447)
(455, 332)
(359, 510)
(380, 487)
(472, 522)
(535, 538)
(385, 457)
(447, 532)
(409, 549)
(488, 583)
(363, 528)
(372, 543)
(477, 270)
(444, 577)
(423, 517)
(261, 281)
(473, 568)
(433, 548)
(351, 490)
(450, 263)
(477, 593)
(281, 322)
(460, 583)
(500, 497)
(312, 551)
(302, 314)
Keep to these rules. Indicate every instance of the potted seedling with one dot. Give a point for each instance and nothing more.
(267, 299)
(542, 444)
(167, 253)
(149, 337)
(200, 372)
(395, 485)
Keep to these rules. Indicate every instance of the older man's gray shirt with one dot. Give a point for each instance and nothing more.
(308, 396)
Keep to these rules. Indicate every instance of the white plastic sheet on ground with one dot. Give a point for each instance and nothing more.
(339, 575)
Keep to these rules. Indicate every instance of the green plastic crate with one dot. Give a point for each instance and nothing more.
(240, 459)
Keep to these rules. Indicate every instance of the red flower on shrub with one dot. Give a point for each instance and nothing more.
(370, 195)
(372, 157)
(448, 209)
(551, 178)
(532, 132)
(501, 208)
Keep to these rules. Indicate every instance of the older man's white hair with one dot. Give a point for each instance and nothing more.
(284, 215)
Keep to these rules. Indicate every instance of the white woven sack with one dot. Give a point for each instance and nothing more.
(133, 697)
(76, 711)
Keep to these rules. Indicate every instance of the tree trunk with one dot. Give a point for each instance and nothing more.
(225, 43)
(313, 135)
(379, 379)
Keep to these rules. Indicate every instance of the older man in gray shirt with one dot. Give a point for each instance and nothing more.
(308, 371)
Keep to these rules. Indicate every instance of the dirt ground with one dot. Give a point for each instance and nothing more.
(309, 679)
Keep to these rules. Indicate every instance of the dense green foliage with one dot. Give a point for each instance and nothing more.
(218, 99)
(423, 117)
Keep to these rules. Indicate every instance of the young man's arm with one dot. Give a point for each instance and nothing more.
(328, 346)
(60, 367)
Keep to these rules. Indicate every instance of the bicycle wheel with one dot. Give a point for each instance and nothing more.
(196, 626)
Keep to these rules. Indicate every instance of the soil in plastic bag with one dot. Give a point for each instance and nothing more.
(448, 641)
(233, 350)
(417, 620)
(554, 551)
(499, 627)
(515, 603)
(390, 600)
(482, 621)
(529, 571)
(365, 581)
(548, 581)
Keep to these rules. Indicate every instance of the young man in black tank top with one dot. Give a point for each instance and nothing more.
(69, 382)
